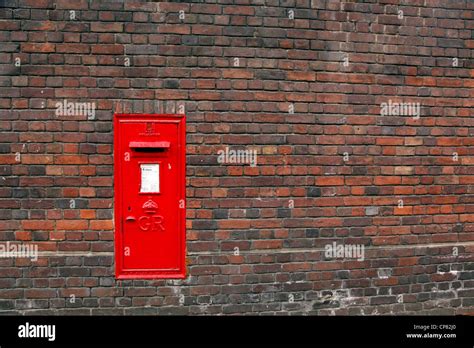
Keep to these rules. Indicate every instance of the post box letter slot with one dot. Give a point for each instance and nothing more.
(149, 146)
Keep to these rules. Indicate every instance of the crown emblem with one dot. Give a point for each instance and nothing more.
(150, 207)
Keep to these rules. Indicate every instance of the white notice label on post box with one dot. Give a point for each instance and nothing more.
(150, 178)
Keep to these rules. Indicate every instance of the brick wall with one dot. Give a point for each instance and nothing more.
(312, 86)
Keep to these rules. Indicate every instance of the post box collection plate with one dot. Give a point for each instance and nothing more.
(149, 180)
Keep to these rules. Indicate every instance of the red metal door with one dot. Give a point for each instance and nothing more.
(149, 196)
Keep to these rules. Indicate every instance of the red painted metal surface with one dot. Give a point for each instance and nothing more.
(149, 169)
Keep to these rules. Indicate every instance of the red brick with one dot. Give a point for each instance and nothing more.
(267, 244)
(68, 5)
(23, 235)
(114, 27)
(38, 47)
(107, 49)
(37, 225)
(237, 74)
(302, 75)
(239, 10)
(329, 181)
(101, 225)
(71, 225)
(70, 159)
(387, 180)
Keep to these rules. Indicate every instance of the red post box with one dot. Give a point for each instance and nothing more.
(149, 156)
